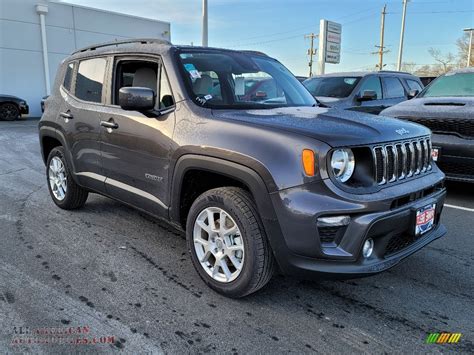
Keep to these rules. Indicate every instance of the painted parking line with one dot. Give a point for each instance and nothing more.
(459, 208)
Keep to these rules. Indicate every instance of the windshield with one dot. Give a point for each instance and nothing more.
(240, 80)
(457, 84)
(340, 86)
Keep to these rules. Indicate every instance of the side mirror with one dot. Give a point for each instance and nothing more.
(368, 95)
(136, 98)
(260, 94)
(413, 93)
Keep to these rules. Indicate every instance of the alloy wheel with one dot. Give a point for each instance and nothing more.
(57, 178)
(218, 244)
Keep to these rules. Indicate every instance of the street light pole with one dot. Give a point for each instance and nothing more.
(469, 51)
(204, 24)
(402, 34)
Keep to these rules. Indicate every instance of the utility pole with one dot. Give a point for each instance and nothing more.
(311, 52)
(469, 51)
(381, 48)
(402, 34)
(204, 24)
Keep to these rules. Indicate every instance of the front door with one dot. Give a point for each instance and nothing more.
(370, 82)
(394, 92)
(136, 152)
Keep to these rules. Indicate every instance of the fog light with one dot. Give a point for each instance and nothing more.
(368, 248)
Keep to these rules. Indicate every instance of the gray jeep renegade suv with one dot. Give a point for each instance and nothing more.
(275, 181)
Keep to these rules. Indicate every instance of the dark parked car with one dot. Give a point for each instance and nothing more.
(313, 191)
(364, 91)
(12, 107)
(42, 103)
(446, 107)
(427, 79)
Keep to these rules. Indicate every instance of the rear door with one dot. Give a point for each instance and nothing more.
(136, 154)
(79, 119)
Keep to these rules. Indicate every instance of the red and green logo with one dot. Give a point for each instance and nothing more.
(443, 338)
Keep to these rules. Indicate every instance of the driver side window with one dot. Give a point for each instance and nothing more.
(141, 73)
(372, 83)
(135, 73)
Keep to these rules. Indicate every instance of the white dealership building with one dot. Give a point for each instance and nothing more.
(36, 35)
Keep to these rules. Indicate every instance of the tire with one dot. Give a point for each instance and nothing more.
(9, 112)
(73, 196)
(257, 263)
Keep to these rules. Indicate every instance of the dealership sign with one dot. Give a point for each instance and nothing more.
(332, 36)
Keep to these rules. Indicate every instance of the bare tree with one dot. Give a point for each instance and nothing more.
(447, 61)
(409, 67)
(463, 50)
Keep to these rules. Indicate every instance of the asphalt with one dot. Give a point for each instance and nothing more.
(124, 275)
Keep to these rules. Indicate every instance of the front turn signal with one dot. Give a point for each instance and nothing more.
(308, 162)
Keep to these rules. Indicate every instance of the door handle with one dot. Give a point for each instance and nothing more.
(108, 124)
(66, 115)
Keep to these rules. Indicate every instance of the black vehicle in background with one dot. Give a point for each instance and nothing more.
(12, 107)
(43, 99)
(446, 106)
(369, 92)
(426, 80)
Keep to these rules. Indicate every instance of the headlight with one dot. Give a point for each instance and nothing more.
(342, 164)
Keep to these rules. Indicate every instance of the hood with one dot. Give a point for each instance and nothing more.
(433, 107)
(10, 97)
(330, 125)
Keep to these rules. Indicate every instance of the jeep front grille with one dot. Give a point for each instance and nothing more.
(397, 161)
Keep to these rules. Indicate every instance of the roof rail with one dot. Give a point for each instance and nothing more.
(125, 41)
(394, 72)
(253, 52)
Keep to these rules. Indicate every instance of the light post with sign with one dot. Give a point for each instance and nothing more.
(329, 44)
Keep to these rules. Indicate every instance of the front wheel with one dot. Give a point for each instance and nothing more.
(227, 242)
(63, 189)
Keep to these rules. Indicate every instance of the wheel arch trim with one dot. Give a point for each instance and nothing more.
(243, 174)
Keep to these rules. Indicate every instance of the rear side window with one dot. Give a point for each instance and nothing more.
(68, 76)
(90, 79)
(393, 88)
(414, 85)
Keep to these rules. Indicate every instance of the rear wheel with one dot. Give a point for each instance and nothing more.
(227, 242)
(63, 189)
(9, 112)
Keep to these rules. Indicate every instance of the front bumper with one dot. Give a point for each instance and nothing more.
(456, 157)
(24, 109)
(386, 216)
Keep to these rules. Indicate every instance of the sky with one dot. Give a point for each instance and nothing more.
(278, 27)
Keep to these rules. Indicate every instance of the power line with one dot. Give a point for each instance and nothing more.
(239, 43)
(291, 37)
(435, 12)
(264, 42)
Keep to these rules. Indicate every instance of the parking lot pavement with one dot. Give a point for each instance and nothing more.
(122, 274)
